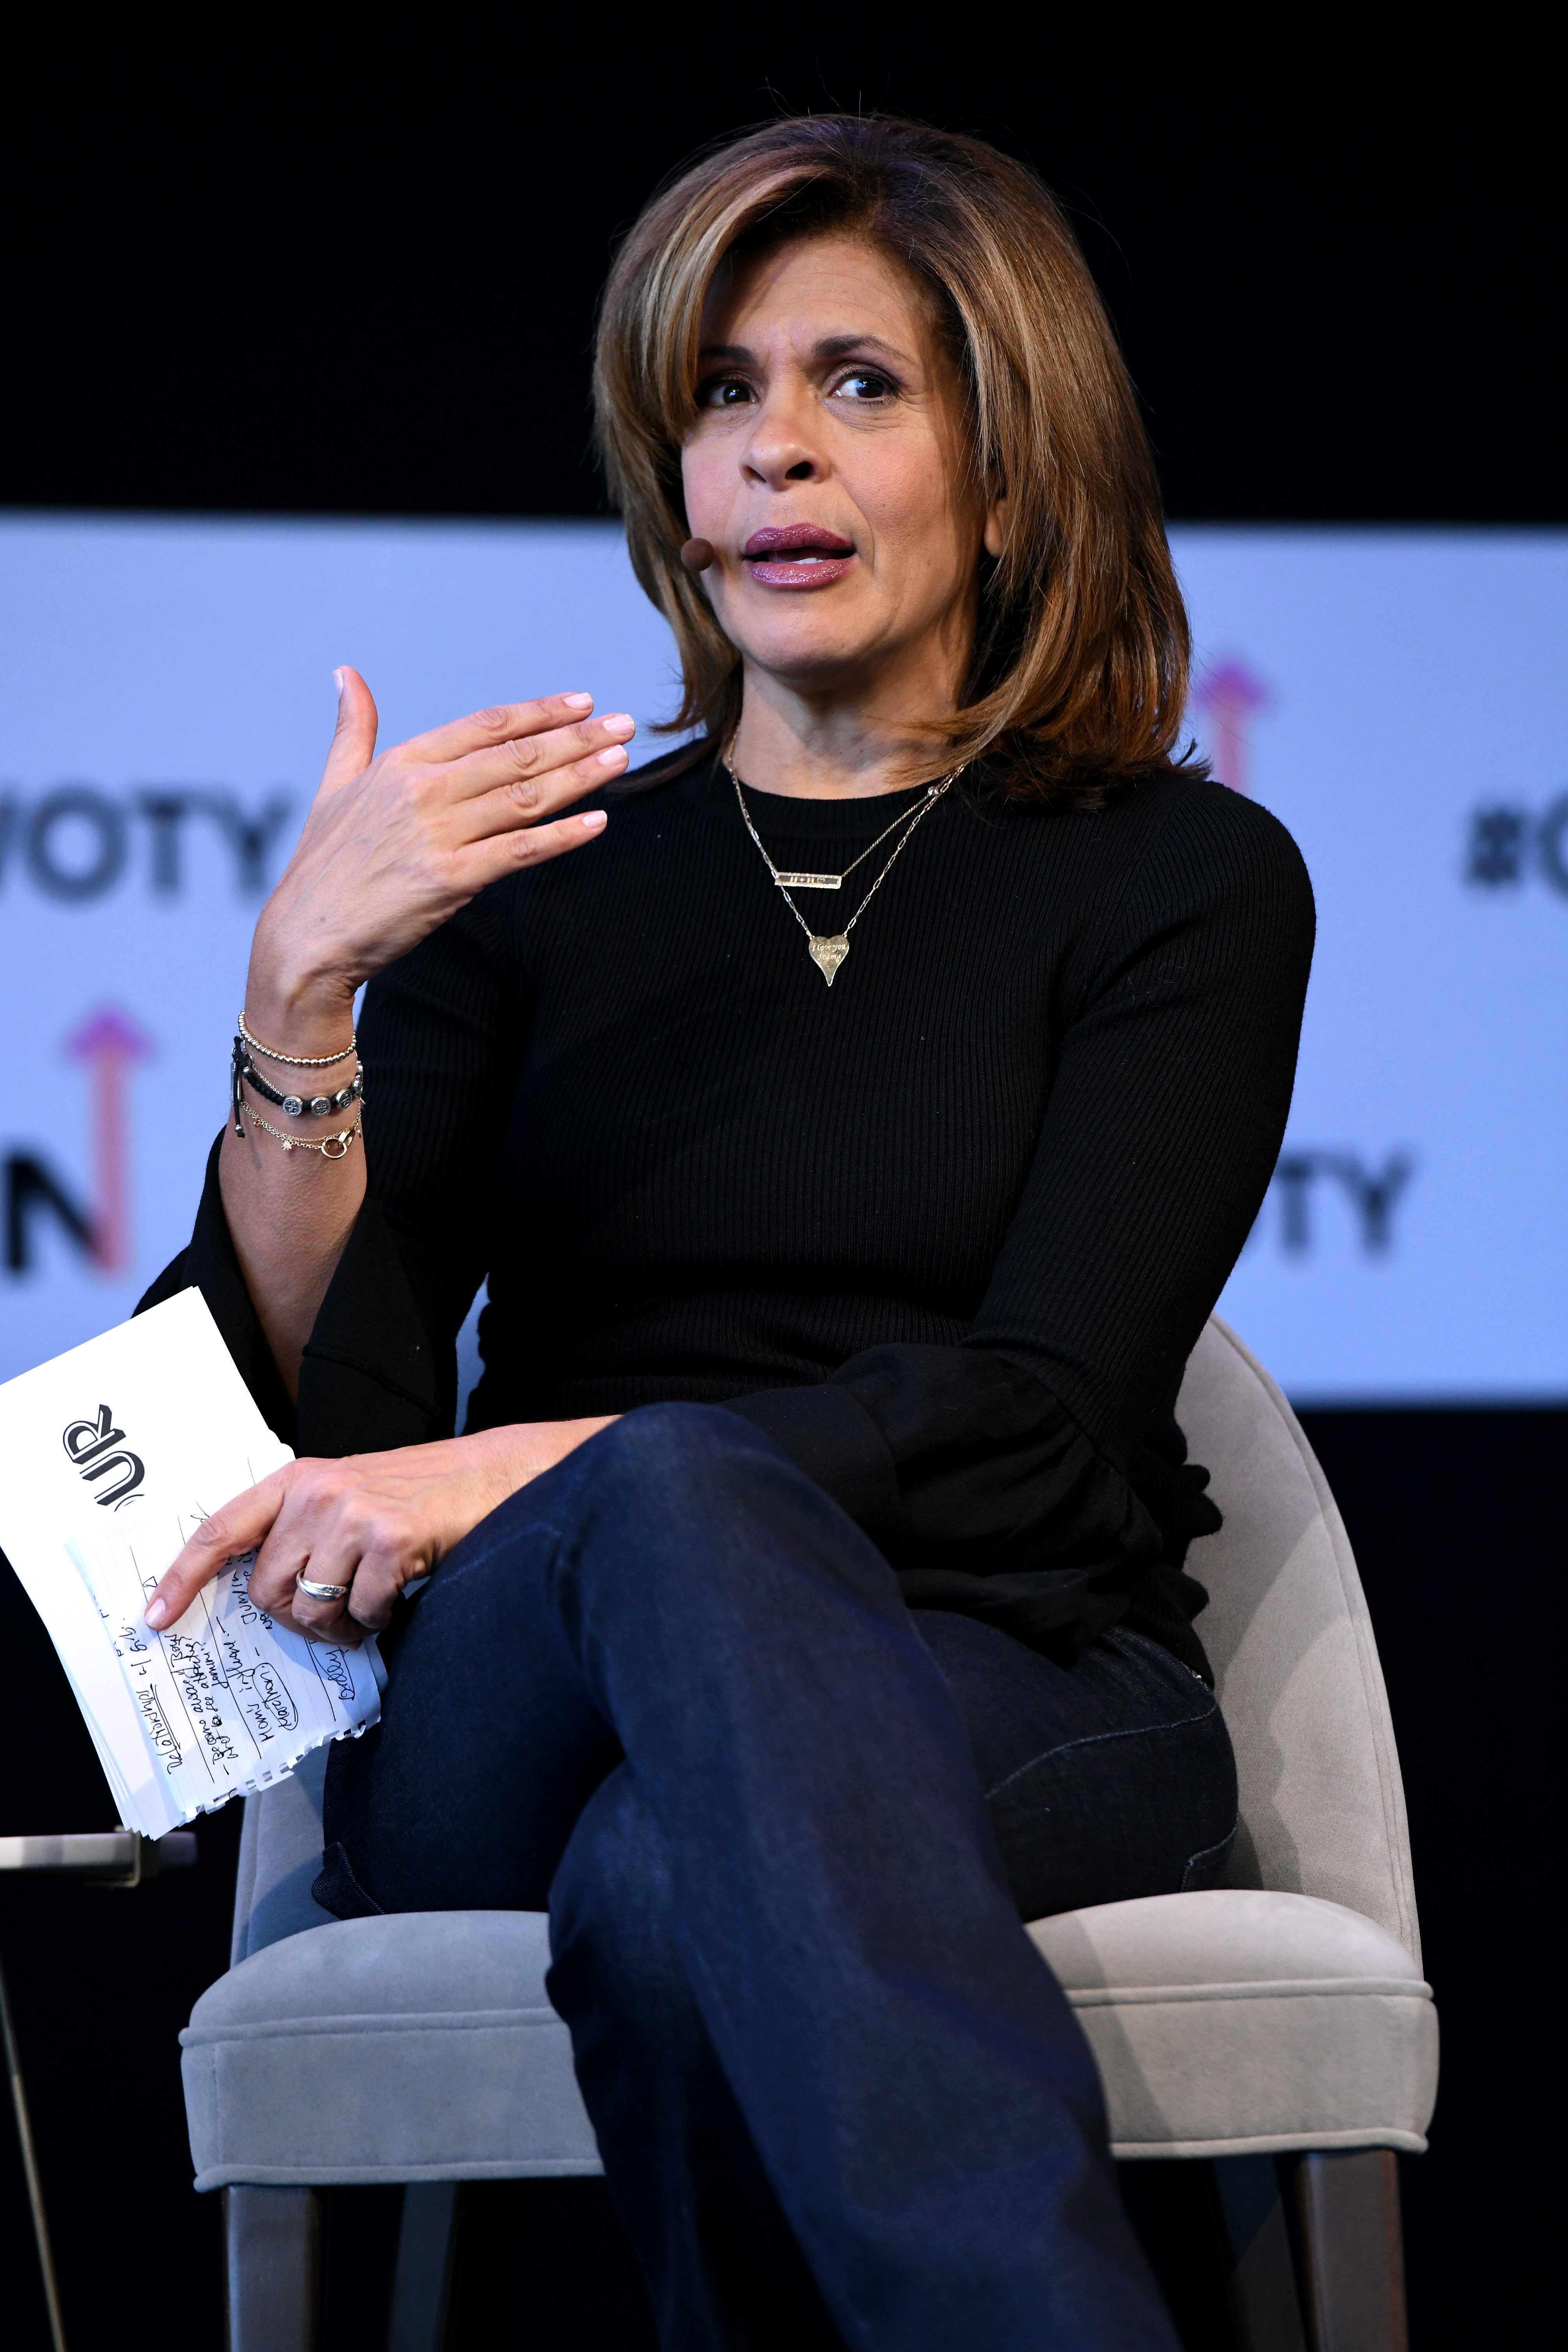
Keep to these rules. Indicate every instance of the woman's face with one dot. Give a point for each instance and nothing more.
(827, 468)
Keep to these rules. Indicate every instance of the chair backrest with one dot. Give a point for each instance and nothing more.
(1322, 1806)
(1323, 1809)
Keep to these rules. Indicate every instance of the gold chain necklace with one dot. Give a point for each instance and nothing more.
(827, 952)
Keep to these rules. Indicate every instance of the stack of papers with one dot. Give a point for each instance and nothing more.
(114, 1454)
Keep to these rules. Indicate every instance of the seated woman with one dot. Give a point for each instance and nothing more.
(855, 1131)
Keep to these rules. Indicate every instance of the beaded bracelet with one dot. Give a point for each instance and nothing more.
(291, 1061)
(243, 1071)
(300, 1106)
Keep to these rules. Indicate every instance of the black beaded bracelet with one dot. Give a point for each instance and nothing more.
(291, 1106)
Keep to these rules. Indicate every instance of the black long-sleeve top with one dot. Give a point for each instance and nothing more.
(947, 1231)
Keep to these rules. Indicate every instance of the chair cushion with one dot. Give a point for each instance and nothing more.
(1241, 2021)
(416, 2047)
(422, 2047)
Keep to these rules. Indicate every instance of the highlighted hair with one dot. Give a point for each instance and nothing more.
(1080, 673)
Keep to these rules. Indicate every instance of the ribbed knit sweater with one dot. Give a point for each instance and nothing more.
(947, 1231)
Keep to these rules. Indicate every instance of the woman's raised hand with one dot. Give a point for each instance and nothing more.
(394, 843)
(397, 841)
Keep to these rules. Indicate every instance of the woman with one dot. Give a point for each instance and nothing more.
(855, 1116)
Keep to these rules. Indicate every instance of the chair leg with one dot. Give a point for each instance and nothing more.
(272, 2245)
(1217, 2233)
(422, 2282)
(1353, 2250)
(1260, 2274)
(459, 2250)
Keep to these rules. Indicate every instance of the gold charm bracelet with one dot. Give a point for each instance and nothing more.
(331, 1147)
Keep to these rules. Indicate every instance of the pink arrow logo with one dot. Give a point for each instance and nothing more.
(109, 1041)
(1228, 695)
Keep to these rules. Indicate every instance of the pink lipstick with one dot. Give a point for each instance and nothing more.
(797, 555)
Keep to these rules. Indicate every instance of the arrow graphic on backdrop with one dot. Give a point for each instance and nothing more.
(1228, 696)
(109, 1041)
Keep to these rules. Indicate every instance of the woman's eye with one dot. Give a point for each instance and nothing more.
(864, 383)
(723, 391)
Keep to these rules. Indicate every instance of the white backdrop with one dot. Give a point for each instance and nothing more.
(165, 699)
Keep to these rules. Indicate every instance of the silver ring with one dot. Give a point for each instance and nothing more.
(320, 1591)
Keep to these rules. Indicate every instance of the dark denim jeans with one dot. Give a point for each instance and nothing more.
(786, 1831)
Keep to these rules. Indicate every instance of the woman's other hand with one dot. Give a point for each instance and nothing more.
(397, 841)
(375, 1522)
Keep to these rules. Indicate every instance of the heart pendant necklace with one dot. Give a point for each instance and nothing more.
(827, 952)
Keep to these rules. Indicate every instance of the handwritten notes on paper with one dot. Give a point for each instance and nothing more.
(113, 1455)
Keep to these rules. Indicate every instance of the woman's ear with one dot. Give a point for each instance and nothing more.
(994, 536)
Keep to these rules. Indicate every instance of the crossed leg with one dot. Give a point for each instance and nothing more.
(671, 1689)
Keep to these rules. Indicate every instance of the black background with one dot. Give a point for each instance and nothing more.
(353, 271)
(357, 273)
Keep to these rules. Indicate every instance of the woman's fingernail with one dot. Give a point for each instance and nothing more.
(594, 820)
(578, 701)
(613, 758)
(157, 1613)
(623, 723)
(338, 682)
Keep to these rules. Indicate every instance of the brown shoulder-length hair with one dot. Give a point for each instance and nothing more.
(1080, 672)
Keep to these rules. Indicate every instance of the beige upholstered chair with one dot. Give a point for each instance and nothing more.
(1278, 2024)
